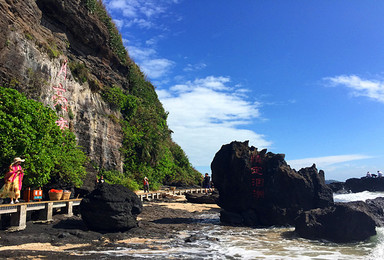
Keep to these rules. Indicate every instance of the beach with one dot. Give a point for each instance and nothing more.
(68, 237)
(172, 228)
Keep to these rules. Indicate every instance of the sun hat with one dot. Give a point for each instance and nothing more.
(18, 159)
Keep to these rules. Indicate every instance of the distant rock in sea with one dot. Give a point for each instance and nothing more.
(358, 185)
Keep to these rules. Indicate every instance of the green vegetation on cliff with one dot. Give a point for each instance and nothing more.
(28, 129)
(148, 149)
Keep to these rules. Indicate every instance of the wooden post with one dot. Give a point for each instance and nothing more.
(46, 214)
(19, 219)
(68, 210)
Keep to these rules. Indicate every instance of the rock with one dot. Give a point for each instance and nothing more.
(110, 208)
(337, 187)
(364, 184)
(340, 223)
(202, 198)
(373, 207)
(261, 189)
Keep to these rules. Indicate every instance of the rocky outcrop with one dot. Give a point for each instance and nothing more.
(364, 184)
(110, 208)
(260, 189)
(358, 185)
(202, 198)
(340, 223)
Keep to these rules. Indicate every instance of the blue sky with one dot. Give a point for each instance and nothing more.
(303, 78)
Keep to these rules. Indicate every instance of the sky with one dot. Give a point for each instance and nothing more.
(302, 78)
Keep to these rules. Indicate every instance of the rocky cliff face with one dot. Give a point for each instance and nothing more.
(260, 189)
(39, 40)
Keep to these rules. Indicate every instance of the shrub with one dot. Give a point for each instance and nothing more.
(79, 71)
(115, 177)
(28, 130)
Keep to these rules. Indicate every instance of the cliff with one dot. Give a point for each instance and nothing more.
(69, 56)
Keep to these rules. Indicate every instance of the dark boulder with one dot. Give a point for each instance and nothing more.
(110, 208)
(373, 208)
(260, 189)
(364, 184)
(340, 223)
(210, 198)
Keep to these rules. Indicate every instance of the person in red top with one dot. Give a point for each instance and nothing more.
(146, 184)
(13, 181)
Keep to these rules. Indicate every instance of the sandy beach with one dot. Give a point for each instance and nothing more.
(69, 238)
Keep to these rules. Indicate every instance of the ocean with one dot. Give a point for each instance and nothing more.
(214, 241)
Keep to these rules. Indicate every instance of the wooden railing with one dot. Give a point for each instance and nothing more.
(157, 194)
(19, 211)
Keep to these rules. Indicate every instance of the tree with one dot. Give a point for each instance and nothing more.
(28, 130)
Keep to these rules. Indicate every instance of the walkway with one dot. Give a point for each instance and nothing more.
(19, 211)
(159, 194)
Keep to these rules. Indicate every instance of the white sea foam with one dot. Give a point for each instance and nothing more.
(359, 196)
(215, 241)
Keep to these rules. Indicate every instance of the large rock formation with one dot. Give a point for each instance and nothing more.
(38, 40)
(110, 208)
(260, 189)
(339, 223)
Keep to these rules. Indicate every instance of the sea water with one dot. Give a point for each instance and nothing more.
(215, 241)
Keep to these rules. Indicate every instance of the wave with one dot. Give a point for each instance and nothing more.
(359, 196)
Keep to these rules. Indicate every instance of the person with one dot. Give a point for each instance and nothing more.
(206, 183)
(101, 179)
(379, 174)
(13, 181)
(146, 184)
(369, 175)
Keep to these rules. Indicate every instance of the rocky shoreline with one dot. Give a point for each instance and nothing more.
(69, 238)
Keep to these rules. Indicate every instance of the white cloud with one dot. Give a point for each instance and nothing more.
(139, 12)
(141, 53)
(156, 68)
(373, 89)
(148, 61)
(205, 114)
(325, 162)
(195, 67)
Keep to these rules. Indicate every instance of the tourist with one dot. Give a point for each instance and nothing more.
(13, 181)
(379, 174)
(206, 183)
(101, 180)
(146, 184)
(369, 175)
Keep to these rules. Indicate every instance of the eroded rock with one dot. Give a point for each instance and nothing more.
(339, 223)
(260, 189)
(110, 208)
